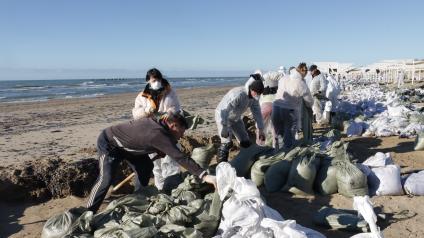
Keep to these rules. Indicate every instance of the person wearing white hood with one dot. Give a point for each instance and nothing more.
(318, 88)
(228, 115)
(287, 106)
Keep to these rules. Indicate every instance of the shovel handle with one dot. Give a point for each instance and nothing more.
(115, 188)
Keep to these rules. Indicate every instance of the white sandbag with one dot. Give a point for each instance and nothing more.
(419, 142)
(384, 181)
(414, 184)
(244, 213)
(398, 111)
(378, 160)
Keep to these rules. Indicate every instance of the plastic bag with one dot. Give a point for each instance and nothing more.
(326, 178)
(302, 174)
(246, 158)
(419, 142)
(59, 225)
(203, 155)
(351, 181)
(276, 175)
(259, 168)
(414, 184)
(378, 160)
(363, 205)
(383, 181)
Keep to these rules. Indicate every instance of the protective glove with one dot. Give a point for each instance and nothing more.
(224, 132)
(210, 179)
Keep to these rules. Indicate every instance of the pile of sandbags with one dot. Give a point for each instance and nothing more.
(384, 113)
(187, 212)
(305, 170)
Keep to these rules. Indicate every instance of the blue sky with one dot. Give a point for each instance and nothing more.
(89, 39)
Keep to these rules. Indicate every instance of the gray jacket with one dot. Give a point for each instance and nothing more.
(235, 103)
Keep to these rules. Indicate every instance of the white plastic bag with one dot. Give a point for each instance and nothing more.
(378, 160)
(384, 181)
(363, 205)
(414, 184)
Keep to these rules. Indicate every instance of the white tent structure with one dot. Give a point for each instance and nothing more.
(390, 69)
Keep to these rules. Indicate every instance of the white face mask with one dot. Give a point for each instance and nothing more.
(155, 85)
(256, 97)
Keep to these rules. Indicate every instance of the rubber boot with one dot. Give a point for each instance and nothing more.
(223, 152)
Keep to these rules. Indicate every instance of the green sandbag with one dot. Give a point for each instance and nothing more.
(172, 182)
(340, 220)
(419, 142)
(350, 179)
(82, 225)
(333, 134)
(276, 175)
(326, 179)
(338, 151)
(302, 173)
(118, 232)
(117, 208)
(209, 216)
(257, 173)
(203, 155)
(179, 215)
(192, 120)
(172, 230)
(246, 157)
(59, 225)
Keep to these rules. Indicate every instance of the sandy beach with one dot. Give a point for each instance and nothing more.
(56, 137)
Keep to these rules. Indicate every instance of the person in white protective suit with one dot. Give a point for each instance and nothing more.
(332, 92)
(400, 79)
(228, 115)
(318, 88)
(157, 98)
(271, 79)
(286, 111)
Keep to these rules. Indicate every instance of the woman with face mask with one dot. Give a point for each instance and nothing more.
(157, 98)
(228, 115)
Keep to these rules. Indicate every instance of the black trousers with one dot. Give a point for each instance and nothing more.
(109, 161)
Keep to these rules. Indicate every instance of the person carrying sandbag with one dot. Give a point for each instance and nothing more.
(133, 141)
(228, 115)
